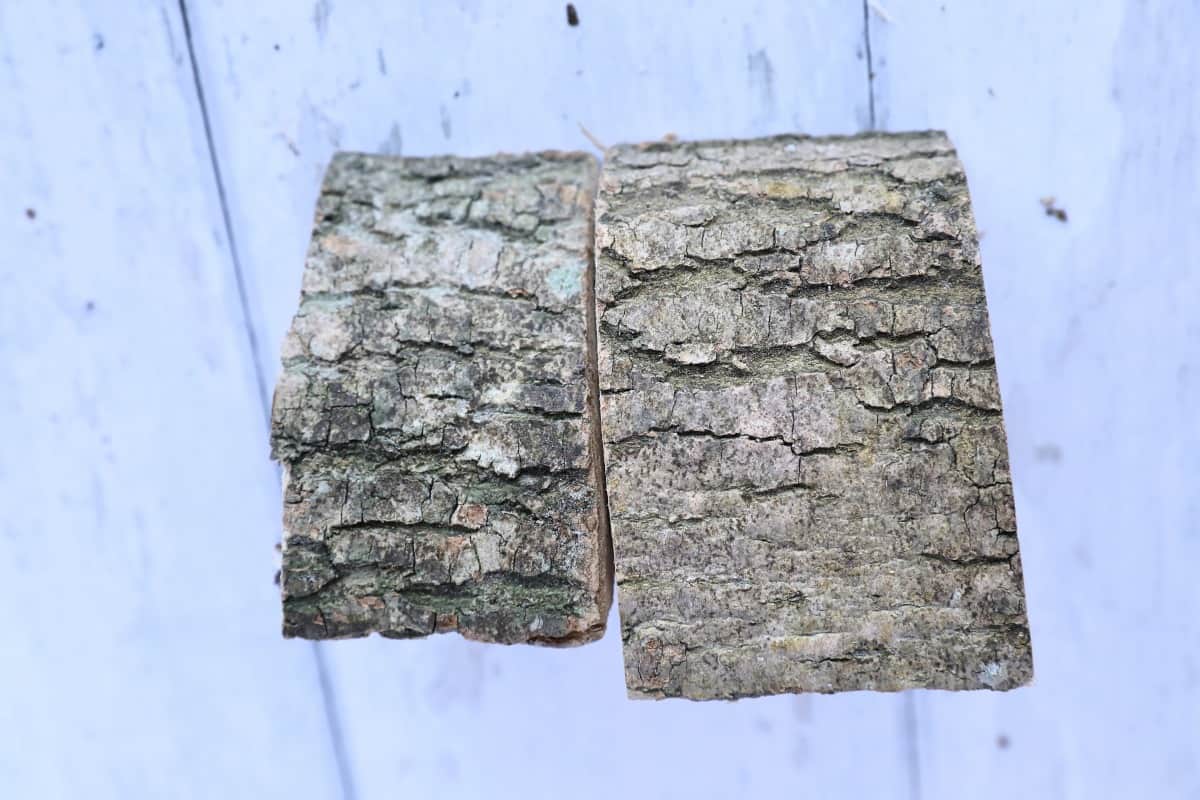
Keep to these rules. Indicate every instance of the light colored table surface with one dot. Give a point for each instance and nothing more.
(158, 177)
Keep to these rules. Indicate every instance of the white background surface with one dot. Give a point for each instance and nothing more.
(142, 306)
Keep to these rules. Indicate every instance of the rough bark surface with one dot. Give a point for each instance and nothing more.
(807, 469)
(436, 417)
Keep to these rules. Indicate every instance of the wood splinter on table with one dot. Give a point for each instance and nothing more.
(808, 478)
(436, 416)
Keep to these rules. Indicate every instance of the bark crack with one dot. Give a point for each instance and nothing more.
(805, 433)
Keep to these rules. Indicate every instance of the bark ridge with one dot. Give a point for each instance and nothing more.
(808, 477)
(435, 416)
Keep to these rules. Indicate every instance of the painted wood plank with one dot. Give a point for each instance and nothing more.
(287, 88)
(1098, 348)
(448, 718)
(141, 649)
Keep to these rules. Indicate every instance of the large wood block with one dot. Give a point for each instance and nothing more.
(435, 416)
(807, 469)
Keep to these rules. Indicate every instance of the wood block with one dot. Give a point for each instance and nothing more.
(807, 469)
(435, 415)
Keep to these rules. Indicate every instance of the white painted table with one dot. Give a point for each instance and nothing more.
(159, 175)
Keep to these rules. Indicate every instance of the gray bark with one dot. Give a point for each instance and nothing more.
(807, 470)
(435, 416)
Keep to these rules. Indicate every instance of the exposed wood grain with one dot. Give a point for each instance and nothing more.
(1099, 351)
(141, 653)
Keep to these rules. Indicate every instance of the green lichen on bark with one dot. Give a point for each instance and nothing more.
(435, 416)
(807, 470)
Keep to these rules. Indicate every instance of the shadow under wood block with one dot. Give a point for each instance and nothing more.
(435, 417)
(807, 470)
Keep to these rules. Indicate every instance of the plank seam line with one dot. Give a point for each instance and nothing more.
(333, 720)
(328, 698)
(912, 752)
(866, 7)
(243, 299)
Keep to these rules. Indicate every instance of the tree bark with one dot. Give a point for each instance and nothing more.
(435, 417)
(807, 469)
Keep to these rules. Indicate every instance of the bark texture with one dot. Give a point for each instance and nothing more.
(807, 469)
(436, 417)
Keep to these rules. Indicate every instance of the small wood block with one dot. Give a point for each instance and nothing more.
(807, 470)
(435, 415)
